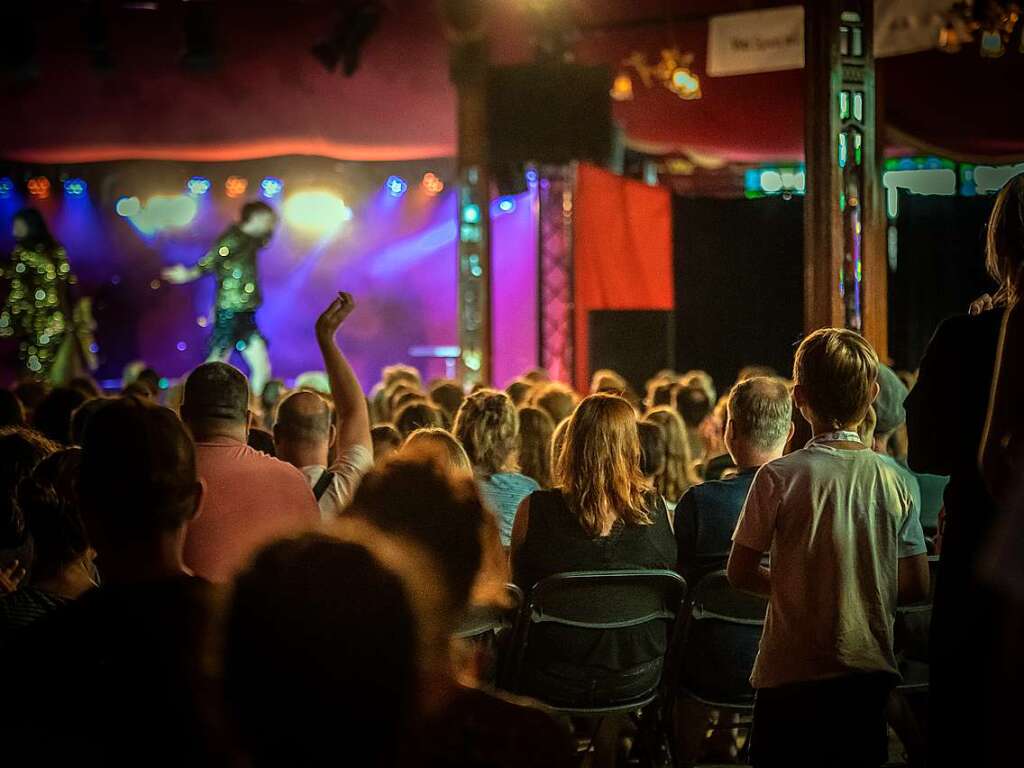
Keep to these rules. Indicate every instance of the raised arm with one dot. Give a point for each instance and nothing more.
(353, 418)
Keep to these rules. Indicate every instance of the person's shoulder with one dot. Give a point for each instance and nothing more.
(965, 329)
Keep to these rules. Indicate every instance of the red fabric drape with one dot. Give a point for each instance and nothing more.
(622, 251)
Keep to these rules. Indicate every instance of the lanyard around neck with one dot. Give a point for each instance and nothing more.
(839, 436)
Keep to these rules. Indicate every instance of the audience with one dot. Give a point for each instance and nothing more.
(758, 425)
(716, 460)
(602, 514)
(61, 558)
(487, 425)
(122, 673)
(262, 441)
(386, 440)
(555, 398)
(418, 415)
(21, 450)
(250, 497)
(519, 391)
(694, 406)
(846, 548)
(535, 431)
(447, 395)
(653, 450)
(12, 413)
(678, 474)
(441, 446)
(52, 416)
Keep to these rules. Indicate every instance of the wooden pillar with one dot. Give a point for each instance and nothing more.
(845, 274)
(466, 30)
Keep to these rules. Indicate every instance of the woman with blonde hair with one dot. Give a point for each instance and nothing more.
(678, 474)
(439, 444)
(487, 425)
(602, 515)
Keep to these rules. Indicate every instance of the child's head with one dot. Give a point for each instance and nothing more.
(836, 372)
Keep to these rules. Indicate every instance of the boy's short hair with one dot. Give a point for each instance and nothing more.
(835, 368)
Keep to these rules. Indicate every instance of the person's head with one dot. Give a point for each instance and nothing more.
(21, 449)
(304, 429)
(52, 416)
(558, 443)
(835, 372)
(150, 379)
(82, 416)
(257, 219)
(519, 390)
(48, 498)
(139, 486)
(661, 393)
(599, 466)
(1004, 247)
(12, 413)
(441, 445)
(535, 430)
(399, 372)
(29, 229)
(693, 405)
(216, 402)
(271, 395)
(678, 474)
(313, 673)
(31, 394)
(652, 450)
(418, 415)
(607, 380)
(413, 496)
(537, 376)
(262, 441)
(386, 440)
(750, 371)
(487, 425)
(760, 421)
(87, 386)
(447, 395)
(701, 379)
(888, 406)
(555, 398)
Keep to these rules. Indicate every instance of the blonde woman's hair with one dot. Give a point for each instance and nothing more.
(558, 443)
(487, 425)
(599, 465)
(535, 430)
(438, 444)
(678, 474)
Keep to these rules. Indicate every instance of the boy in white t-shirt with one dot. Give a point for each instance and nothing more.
(846, 547)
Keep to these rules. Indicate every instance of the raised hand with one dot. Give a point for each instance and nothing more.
(328, 323)
(177, 274)
(11, 576)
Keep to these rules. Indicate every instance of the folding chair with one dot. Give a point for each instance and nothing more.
(713, 658)
(486, 619)
(593, 603)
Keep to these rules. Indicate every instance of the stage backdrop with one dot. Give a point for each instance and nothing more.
(397, 255)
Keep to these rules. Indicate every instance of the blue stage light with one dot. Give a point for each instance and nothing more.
(75, 187)
(6, 187)
(531, 177)
(396, 186)
(271, 187)
(198, 186)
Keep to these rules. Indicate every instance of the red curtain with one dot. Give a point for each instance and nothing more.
(622, 251)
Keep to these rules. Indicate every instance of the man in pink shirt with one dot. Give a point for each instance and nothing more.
(250, 497)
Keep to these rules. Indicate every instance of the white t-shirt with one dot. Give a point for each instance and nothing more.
(348, 471)
(836, 522)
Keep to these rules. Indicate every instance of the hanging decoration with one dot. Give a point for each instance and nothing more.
(673, 71)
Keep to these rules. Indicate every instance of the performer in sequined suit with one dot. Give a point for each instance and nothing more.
(38, 310)
(232, 260)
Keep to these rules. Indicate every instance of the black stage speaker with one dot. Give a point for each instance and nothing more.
(549, 113)
(636, 343)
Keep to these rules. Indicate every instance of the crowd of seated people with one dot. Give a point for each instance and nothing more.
(194, 575)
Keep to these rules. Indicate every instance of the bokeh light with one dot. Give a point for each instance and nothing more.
(6, 187)
(75, 187)
(235, 186)
(164, 212)
(198, 186)
(271, 187)
(128, 206)
(431, 184)
(506, 204)
(316, 212)
(396, 186)
(39, 187)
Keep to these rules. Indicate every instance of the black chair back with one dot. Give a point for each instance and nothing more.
(483, 620)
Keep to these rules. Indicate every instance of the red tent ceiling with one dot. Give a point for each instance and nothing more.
(269, 96)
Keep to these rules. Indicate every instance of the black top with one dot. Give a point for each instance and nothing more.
(25, 606)
(556, 543)
(715, 468)
(946, 413)
(121, 674)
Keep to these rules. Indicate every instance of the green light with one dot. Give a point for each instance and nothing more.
(316, 213)
(844, 105)
(471, 214)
